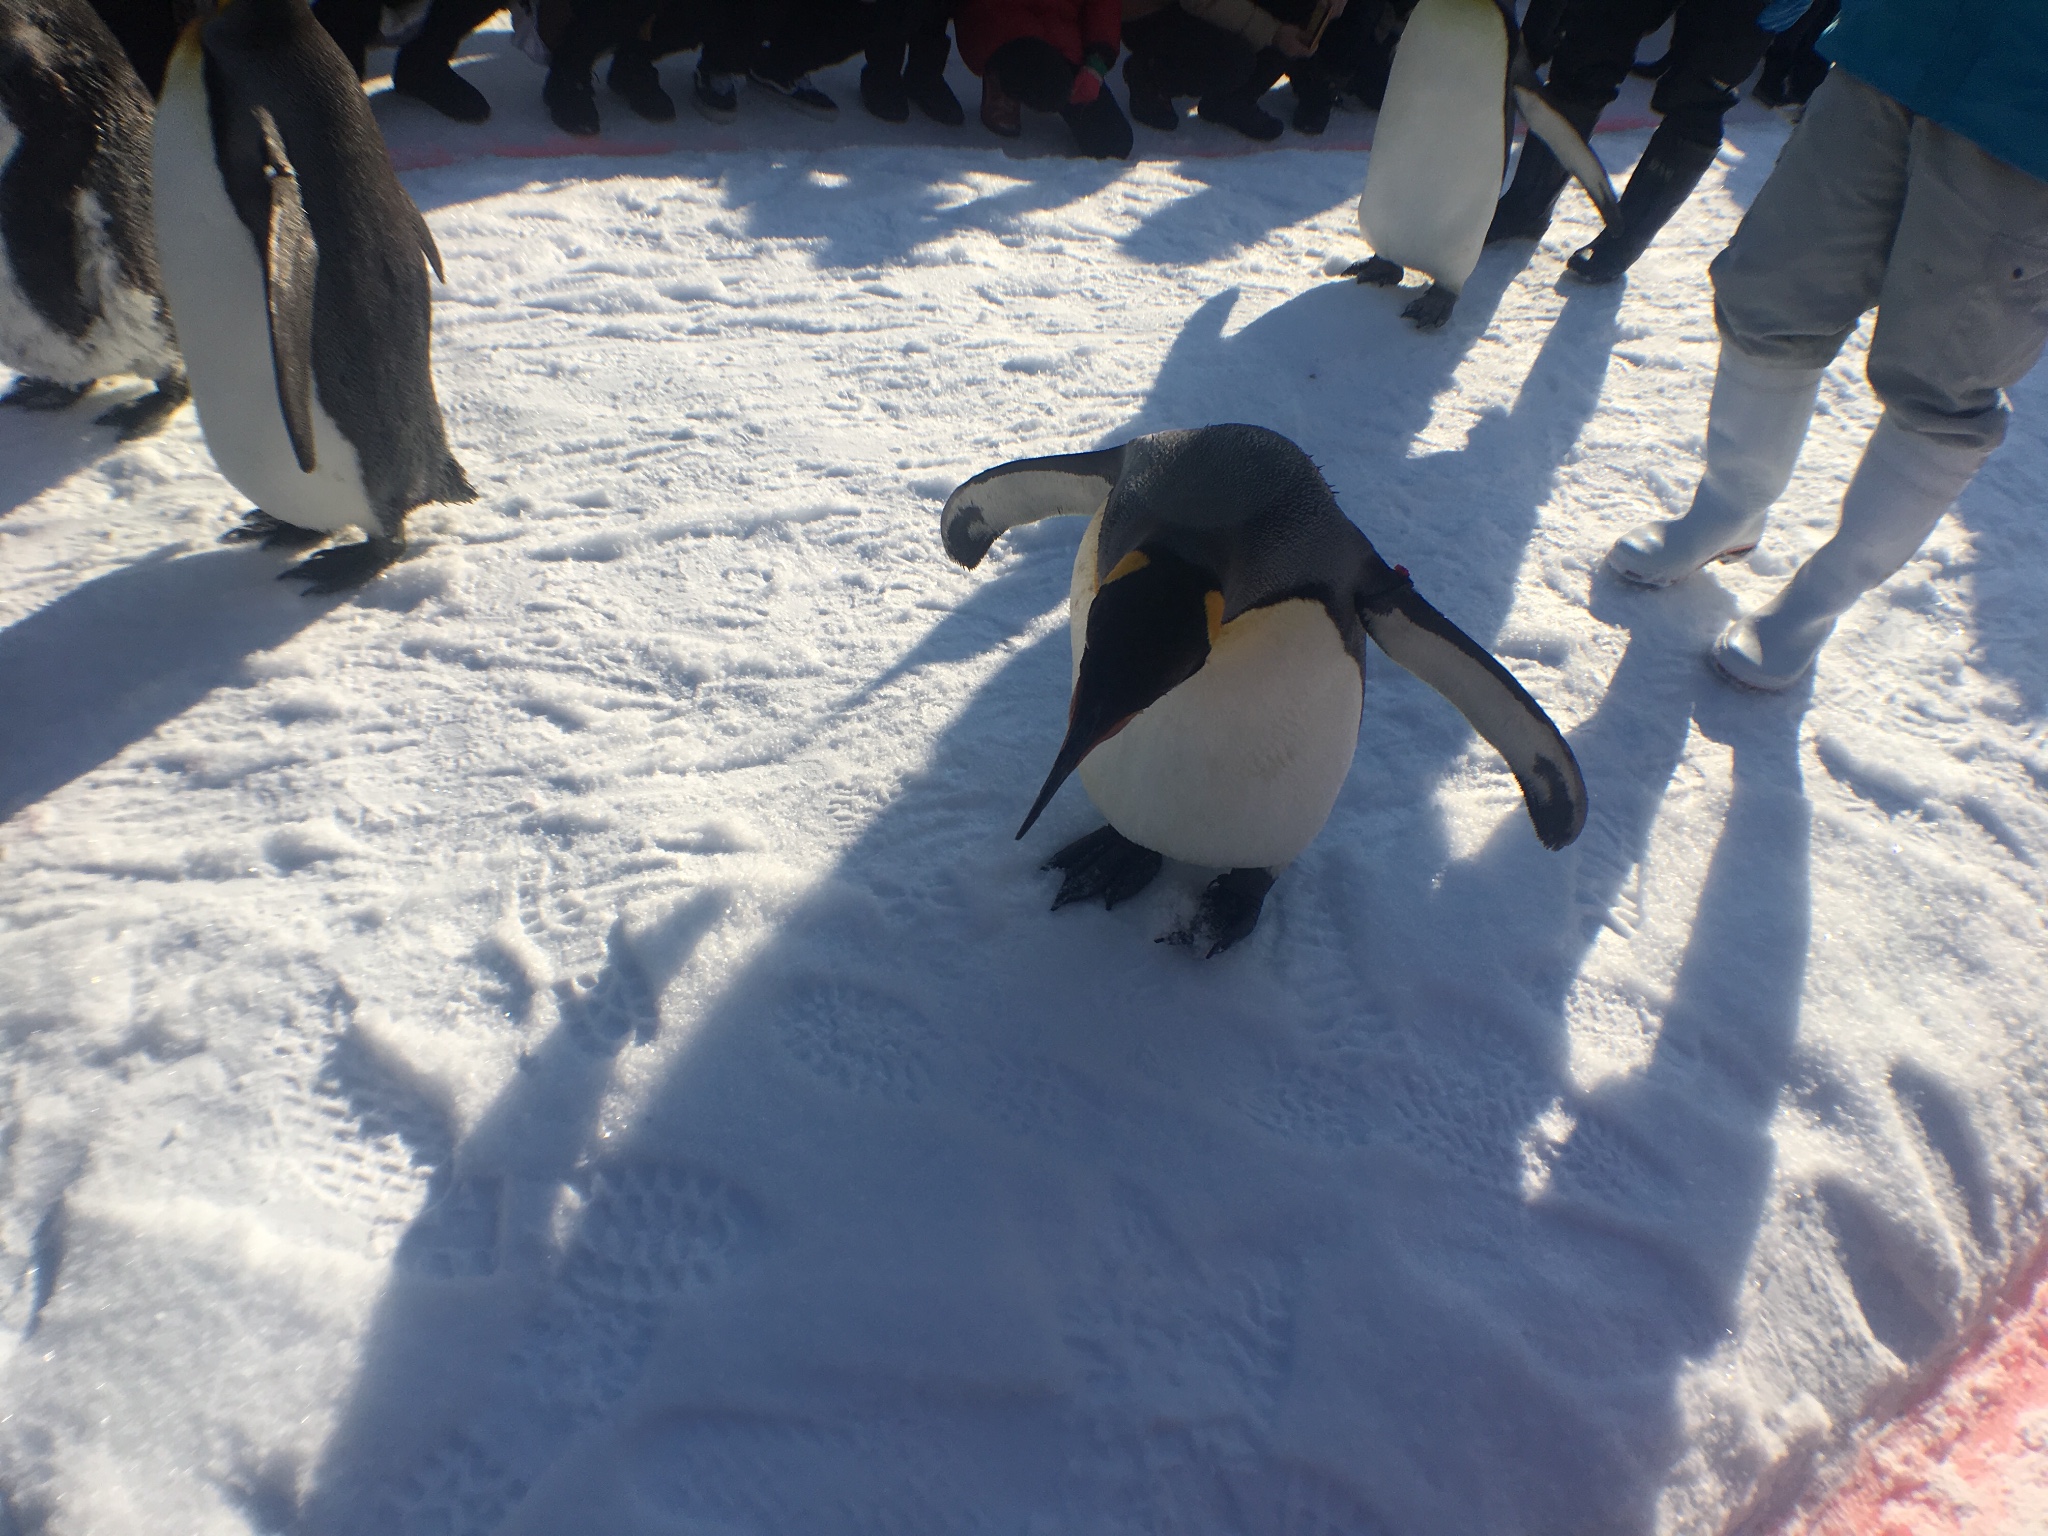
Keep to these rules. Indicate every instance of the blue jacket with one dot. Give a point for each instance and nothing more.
(1979, 67)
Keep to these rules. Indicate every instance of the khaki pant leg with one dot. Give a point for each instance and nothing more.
(1964, 307)
(1809, 258)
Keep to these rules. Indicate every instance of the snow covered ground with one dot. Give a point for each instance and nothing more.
(563, 1040)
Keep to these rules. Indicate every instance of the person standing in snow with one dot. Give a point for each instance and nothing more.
(1050, 56)
(1917, 182)
(1214, 50)
(1714, 46)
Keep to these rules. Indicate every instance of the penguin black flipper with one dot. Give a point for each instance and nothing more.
(983, 509)
(1549, 125)
(1404, 625)
(264, 188)
(1527, 93)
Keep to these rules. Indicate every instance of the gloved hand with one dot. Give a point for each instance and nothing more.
(1088, 78)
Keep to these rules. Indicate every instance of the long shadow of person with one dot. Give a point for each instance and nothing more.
(112, 659)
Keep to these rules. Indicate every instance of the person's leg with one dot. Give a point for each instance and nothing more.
(924, 70)
(422, 69)
(353, 25)
(1805, 264)
(1032, 71)
(881, 80)
(1961, 315)
(1150, 76)
(813, 34)
(677, 25)
(1714, 46)
(594, 29)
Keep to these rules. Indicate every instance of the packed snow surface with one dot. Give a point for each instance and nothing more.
(563, 1039)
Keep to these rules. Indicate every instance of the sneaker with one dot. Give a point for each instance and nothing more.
(1150, 104)
(1001, 113)
(571, 101)
(882, 93)
(799, 93)
(715, 95)
(633, 77)
(435, 83)
(935, 99)
(1244, 116)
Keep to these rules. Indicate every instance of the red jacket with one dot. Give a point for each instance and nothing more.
(1072, 26)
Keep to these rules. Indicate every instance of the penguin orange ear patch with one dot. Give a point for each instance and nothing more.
(1136, 560)
(1212, 604)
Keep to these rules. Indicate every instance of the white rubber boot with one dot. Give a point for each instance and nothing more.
(1755, 427)
(1902, 487)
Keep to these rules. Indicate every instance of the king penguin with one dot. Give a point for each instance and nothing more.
(80, 299)
(1441, 145)
(296, 268)
(1220, 606)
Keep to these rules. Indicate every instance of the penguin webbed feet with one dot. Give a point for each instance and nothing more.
(1229, 911)
(1430, 308)
(146, 415)
(32, 394)
(350, 565)
(1105, 863)
(1375, 272)
(266, 532)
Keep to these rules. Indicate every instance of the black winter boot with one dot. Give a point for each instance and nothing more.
(924, 78)
(1662, 180)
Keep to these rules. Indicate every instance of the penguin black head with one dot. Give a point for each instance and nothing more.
(1199, 527)
(1149, 630)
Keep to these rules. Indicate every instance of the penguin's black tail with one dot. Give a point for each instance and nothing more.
(453, 483)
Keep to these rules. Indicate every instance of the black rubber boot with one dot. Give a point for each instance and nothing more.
(1523, 213)
(634, 77)
(422, 69)
(1662, 180)
(924, 78)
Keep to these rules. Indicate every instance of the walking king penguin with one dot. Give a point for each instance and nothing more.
(296, 269)
(1220, 607)
(79, 297)
(1441, 145)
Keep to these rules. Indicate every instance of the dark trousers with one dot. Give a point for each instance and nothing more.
(812, 34)
(1714, 46)
(908, 37)
(1188, 56)
(1038, 74)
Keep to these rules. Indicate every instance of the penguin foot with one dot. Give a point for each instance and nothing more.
(146, 415)
(42, 394)
(1431, 308)
(1230, 909)
(337, 570)
(1376, 271)
(266, 532)
(1105, 863)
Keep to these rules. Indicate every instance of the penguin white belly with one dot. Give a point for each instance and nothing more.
(1441, 143)
(126, 335)
(214, 282)
(1238, 767)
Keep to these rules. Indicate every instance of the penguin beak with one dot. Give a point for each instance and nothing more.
(1149, 630)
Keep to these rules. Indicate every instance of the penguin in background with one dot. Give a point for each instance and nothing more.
(296, 268)
(1220, 606)
(1440, 148)
(80, 298)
